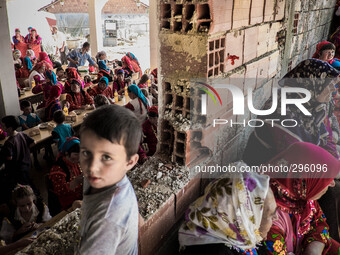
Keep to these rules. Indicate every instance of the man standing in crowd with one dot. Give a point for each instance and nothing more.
(60, 41)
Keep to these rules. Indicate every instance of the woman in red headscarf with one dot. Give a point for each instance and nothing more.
(78, 98)
(50, 81)
(301, 227)
(18, 38)
(44, 57)
(53, 104)
(102, 89)
(325, 51)
(71, 73)
(127, 67)
(135, 63)
(150, 130)
(33, 37)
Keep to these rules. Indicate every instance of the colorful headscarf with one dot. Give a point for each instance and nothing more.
(72, 73)
(16, 54)
(44, 57)
(229, 212)
(31, 53)
(51, 75)
(127, 62)
(55, 92)
(293, 194)
(30, 28)
(68, 144)
(120, 71)
(17, 30)
(79, 83)
(319, 48)
(28, 63)
(335, 63)
(41, 64)
(132, 57)
(153, 109)
(135, 90)
(314, 75)
(103, 66)
(106, 80)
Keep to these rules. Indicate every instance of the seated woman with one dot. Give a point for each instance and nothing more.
(31, 55)
(150, 130)
(301, 227)
(143, 82)
(119, 83)
(232, 217)
(25, 70)
(87, 81)
(27, 215)
(60, 73)
(18, 38)
(66, 176)
(104, 71)
(44, 57)
(78, 98)
(53, 104)
(102, 89)
(138, 104)
(37, 74)
(135, 63)
(50, 81)
(33, 37)
(16, 57)
(127, 67)
(71, 73)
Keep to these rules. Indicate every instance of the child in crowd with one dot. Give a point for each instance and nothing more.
(28, 119)
(87, 81)
(60, 74)
(17, 157)
(66, 176)
(119, 84)
(71, 73)
(150, 130)
(78, 98)
(61, 131)
(28, 214)
(53, 103)
(138, 104)
(102, 89)
(104, 71)
(100, 100)
(143, 82)
(110, 138)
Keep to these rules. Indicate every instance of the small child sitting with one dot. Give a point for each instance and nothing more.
(87, 81)
(100, 100)
(110, 138)
(28, 214)
(17, 156)
(66, 176)
(60, 74)
(61, 131)
(28, 119)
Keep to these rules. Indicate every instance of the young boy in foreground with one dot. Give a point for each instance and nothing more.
(110, 139)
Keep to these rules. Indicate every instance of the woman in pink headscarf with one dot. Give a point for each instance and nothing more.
(44, 57)
(33, 38)
(127, 67)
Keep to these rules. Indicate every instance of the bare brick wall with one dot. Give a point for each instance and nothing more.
(112, 6)
(227, 39)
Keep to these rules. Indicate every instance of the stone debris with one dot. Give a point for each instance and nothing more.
(178, 121)
(62, 238)
(173, 178)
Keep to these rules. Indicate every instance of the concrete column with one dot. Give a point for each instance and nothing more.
(154, 31)
(9, 101)
(95, 19)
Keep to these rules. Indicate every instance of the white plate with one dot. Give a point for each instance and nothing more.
(43, 125)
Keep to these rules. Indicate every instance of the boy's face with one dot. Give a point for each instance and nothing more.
(104, 163)
(27, 110)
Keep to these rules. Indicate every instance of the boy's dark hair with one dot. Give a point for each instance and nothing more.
(100, 100)
(116, 124)
(59, 69)
(143, 79)
(24, 104)
(11, 121)
(86, 44)
(327, 46)
(153, 114)
(59, 116)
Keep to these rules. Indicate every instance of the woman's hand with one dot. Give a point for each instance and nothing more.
(314, 248)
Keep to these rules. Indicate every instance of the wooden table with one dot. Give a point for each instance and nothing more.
(33, 98)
